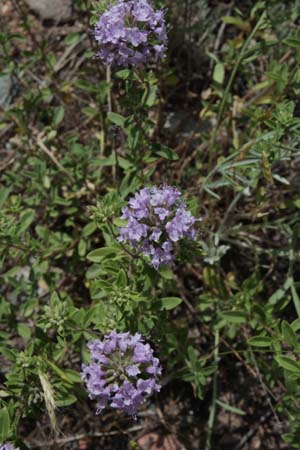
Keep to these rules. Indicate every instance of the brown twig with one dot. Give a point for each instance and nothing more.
(48, 152)
(78, 437)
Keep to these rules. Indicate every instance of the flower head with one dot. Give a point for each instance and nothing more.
(7, 446)
(131, 33)
(122, 372)
(157, 219)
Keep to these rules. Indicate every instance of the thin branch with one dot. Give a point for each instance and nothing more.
(48, 152)
(78, 437)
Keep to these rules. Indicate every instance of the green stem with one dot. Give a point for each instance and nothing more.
(229, 84)
(213, 407)
(116, 167)
(295, 296)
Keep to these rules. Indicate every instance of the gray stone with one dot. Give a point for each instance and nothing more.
(58, 10)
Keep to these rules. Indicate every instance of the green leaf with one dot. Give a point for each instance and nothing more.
(89, 111)
(82, 247)
(288, 363)
(231, 409)
(292, 42)
(296, 299)
(170, 302)
(151, 96)
(97, 255)
(105, 162)
(167, 153)
(58, 117)
(289, 334)
(237, 21)
(4, 394)
(260, 341)
(89, 229)
(72, 38)
(24, 331)
(219, 73)
(4, 193)
(234, 316)
(4, 424)
(123, 74)
(296, 325)
(117, 119)
(67, 400)
(73, 376)
(166, 273)
(64, 374)
(27, 218)
(54, 299)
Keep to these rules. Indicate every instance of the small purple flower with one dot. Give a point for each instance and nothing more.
(131, 32)
(156, 220)
(122, 372)
(8, 446)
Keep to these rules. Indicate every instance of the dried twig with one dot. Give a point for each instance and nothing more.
(48, 152)
(78, 437)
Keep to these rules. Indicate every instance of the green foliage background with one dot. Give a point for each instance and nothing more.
(77, 141)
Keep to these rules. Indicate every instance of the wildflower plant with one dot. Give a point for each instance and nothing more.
(79, 145)
(157, 219)
(131, 33)
(122, 372)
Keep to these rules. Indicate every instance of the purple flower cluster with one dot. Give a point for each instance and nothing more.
(7, 447)
(156, 220)
(131, 33)
(122, 372)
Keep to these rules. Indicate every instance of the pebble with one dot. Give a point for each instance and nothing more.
(57, 10)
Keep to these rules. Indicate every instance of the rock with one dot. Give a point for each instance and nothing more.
(6, 87)
(57, 10)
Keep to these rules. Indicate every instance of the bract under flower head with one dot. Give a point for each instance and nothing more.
(122, 372)
(131, 33)
(156, 220)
